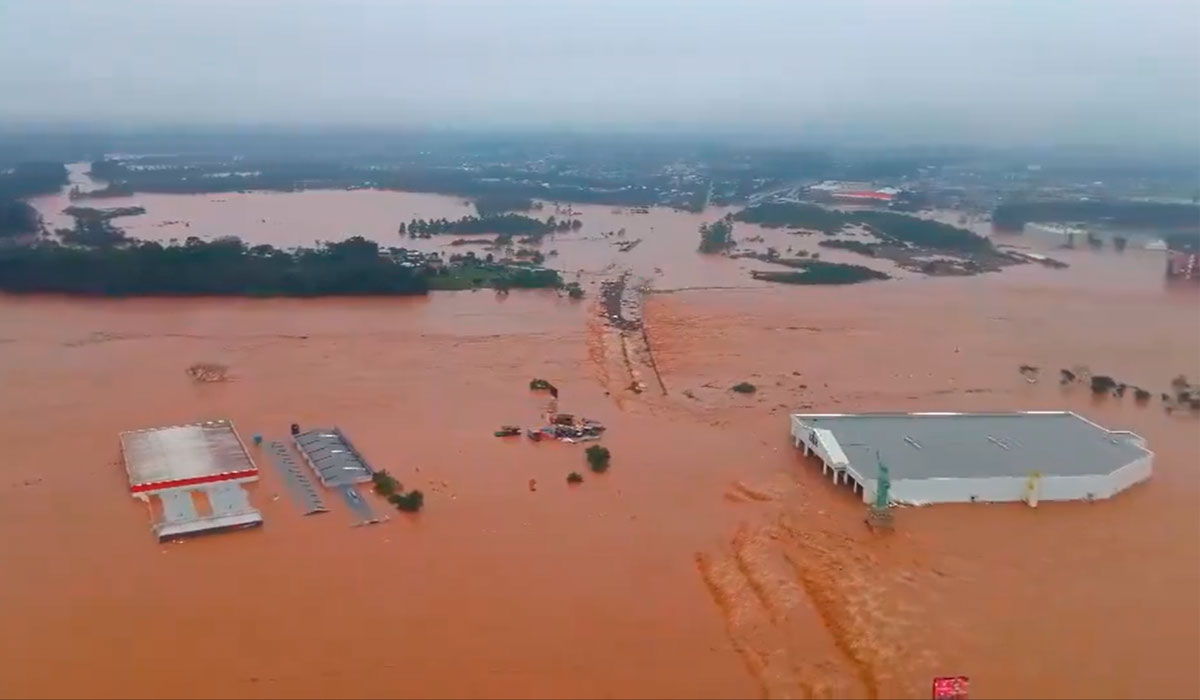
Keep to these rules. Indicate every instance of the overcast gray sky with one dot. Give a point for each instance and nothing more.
(920, 70)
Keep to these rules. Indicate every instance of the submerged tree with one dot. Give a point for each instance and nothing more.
(410, 502)
(598, 458)
(385, 484)
(717, 237)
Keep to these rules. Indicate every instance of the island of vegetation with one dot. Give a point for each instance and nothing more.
(17, 218)
(867, 249)
(888, 226)
(819, 272)
(920, 245)
(493, 204)
(112, 189)
(717, 237)
(1014, 215)
(598, 458)
(387, 486)
(110, 213)
(111, 265)
(92, 232)
(505, 225)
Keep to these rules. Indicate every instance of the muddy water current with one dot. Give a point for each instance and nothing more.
(710, 560)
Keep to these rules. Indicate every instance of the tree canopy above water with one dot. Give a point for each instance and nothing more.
(886, 225)
(1014, 215)
(222, 267)
(26, 180)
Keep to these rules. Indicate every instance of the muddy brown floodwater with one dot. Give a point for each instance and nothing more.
(710, 560)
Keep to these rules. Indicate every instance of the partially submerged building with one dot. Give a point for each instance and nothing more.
(332, 457)
(967, 457)
(173, 463)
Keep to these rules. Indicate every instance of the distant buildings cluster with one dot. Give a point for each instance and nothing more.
(864, 192)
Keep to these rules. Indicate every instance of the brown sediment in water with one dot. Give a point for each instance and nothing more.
(710, 560)
(996, 592)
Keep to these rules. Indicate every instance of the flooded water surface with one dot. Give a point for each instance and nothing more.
(710, 560)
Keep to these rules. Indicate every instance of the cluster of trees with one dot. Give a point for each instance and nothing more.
(516, 277)
(598, 458)
(819, 272)
(112, 189)
(18, 218)
(30, 179)
(853, 246)
(387, 486)
(922, 233)
(93, 232)
(807, 216)
(492, 204)
(110, 213)
(197, 268)
(1014, 215)
(207, 175)
(889, 226)
(503, 224)
(717, 237)
(470, 272)
(536, 257)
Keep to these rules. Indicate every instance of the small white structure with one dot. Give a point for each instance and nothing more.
(967, 457)
(1057, 231)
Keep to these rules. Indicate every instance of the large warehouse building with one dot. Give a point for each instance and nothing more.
(178, 462)
(968, 457)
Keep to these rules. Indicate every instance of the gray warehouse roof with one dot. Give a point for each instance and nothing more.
(332, 456)
(975, 445)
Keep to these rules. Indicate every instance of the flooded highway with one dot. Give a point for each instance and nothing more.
(711, 560)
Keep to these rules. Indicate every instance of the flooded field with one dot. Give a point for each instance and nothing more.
(710, 561)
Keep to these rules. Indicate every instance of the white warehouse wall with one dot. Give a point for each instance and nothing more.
(955, 490)
(1075, 488)
(1003, 489)
(1130, 474)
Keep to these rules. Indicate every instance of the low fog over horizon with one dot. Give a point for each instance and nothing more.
(997, 73)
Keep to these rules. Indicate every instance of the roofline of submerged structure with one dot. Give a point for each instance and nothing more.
(1030, 488)
(141, 489)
